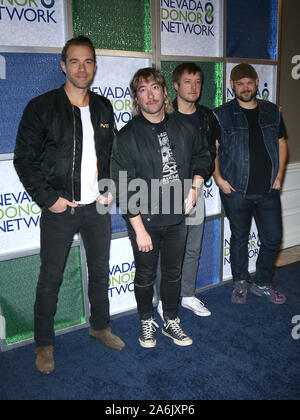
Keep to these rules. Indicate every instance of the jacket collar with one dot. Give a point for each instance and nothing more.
(66, 98)
(175, 104)
(262, 106)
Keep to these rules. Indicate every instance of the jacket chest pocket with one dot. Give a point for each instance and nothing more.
(230, 138)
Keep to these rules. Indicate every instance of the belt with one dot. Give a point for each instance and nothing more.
(73, 209)
(84, 205)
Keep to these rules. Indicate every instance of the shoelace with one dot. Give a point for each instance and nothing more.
(173, 324)
(241, 289)
(148, 328)
(272, 289)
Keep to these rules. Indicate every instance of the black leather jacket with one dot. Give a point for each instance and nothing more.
(136, 150)
(48, 148)
(209, 128)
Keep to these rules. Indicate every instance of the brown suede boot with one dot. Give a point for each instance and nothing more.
(45, 360)
(108, 339)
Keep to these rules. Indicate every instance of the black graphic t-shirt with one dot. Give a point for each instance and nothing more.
(169, 169)
(170, 177)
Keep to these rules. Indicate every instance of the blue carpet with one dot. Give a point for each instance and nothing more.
(240, 352)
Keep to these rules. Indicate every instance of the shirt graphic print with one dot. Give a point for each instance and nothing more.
(170, 171)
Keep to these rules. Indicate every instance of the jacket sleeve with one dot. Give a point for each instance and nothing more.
(30, 145)
(214, 135)
(201, 156)
(123, 170)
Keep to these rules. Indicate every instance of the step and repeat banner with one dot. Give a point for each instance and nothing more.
(22, 20)
(189, 28)
(192, 28)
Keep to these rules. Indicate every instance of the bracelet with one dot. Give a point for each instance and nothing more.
(195, 188)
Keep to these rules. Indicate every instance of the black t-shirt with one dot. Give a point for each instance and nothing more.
(169, 169)
(259, 158)
(170, 177)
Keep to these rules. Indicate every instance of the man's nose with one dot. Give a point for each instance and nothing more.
(81, 67)
(150, 94)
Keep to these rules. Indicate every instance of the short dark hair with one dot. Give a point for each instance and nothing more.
(190, 68)
(79, 41)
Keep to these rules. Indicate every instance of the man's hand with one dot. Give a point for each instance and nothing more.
(190, 201)
(144, 241)
(61, 205)
(105, 201)
(277, 184)
(225, 186)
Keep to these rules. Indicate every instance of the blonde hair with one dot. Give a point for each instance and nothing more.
(146, 74)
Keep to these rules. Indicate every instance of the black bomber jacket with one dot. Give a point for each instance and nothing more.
(137, 152)
(48, 150)
(209, 128)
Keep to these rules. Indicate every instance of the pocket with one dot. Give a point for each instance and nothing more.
(58, 214)
(229, 137)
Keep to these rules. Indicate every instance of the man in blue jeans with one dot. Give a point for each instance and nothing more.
(250, 165)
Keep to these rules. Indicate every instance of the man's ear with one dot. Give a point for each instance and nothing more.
(63, 66)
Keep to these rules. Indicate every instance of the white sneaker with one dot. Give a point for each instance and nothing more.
(195, 305)
(160, 310)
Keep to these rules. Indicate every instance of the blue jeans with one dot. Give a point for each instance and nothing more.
(266, 210)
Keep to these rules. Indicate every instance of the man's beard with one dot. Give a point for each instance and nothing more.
(243, 99)
(81, 85)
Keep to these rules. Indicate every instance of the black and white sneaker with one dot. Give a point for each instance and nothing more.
(147, 335)
(173, 330)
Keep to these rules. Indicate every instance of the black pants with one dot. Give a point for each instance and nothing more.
(169, 241)
(57, 232)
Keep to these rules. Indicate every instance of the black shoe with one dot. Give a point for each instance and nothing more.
(147, 336)
(173, 330)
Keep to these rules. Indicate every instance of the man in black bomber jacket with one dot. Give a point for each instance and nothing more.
(158, 145)
(63, 149)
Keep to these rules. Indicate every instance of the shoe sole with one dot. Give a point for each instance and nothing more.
(239, 302)
(46, 373)
(119, 348)
(148, 345)
(195, 311)
(177, 342)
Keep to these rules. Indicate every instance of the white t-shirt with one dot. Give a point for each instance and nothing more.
(89, 172)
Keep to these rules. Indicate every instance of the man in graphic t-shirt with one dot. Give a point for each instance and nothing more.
(62, 150)
(158, 145)
(250, 165)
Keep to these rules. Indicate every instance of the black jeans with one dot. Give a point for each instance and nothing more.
(57, 232)
(169, 242)
(266, 210)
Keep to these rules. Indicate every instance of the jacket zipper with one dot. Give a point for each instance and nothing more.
(74, 154)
